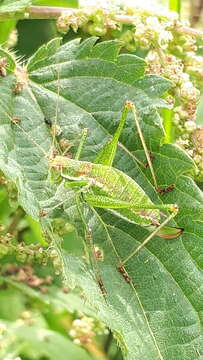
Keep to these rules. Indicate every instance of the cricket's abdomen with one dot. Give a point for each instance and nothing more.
(113, 183)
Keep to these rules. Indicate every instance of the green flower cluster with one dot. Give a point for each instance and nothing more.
(84, 328)
(28, 254)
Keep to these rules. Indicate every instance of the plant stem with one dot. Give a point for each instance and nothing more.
(53, 12)
(189, 31)
(36, 12)
(167, 116)
(46, 12)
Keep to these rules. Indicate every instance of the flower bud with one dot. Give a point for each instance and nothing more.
(190, 126)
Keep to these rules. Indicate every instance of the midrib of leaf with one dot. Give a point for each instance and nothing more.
(132, 287)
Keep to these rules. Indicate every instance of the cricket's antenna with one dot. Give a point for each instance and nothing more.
(55, 130)
(54, 126)
(132, 106)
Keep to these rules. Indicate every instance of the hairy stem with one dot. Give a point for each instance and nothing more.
(53, 12)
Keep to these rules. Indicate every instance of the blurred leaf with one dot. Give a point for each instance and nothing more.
(5, 209)
(14, 5)
(37, 230)
(12, 304)
(11, 64)
(60, 3)
(55, 298)
(159, 313)
(35, 343)
(175, 5)
(40, 31)
(5, 29)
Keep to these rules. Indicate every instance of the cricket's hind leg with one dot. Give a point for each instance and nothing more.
(161, 231)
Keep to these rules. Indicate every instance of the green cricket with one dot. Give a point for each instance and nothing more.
(103, 186)
(99, 185)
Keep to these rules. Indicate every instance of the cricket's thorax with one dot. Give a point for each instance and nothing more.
(71, 167)
(111, 183)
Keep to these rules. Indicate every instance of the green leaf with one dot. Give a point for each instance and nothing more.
(36, 229)
(12, 304)
(175, 5)
(35, 343)
(84, 86)
(10, 60)
(14, 5)
(43, 53)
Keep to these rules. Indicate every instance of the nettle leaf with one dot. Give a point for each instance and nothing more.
(82, 86)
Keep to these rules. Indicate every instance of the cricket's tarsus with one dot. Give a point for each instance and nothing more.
(151, 156)
(98, 253)
(102, 287)
(124, 273)
(42, 213)
(95, 265)
(165, 189)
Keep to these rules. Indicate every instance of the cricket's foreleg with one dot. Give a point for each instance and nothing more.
(66, 145)
(82, 142)
(90, 245)
(76, 179)
(94, 261)
(147, 153)
(73, 182)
